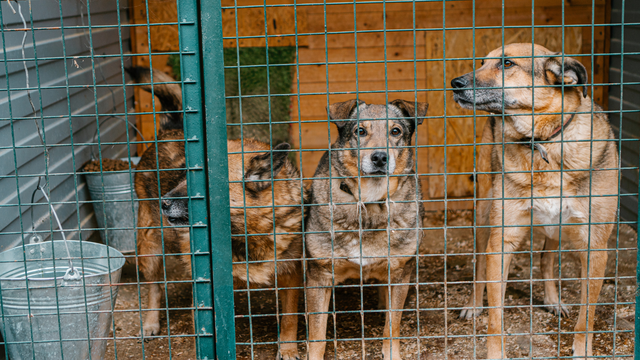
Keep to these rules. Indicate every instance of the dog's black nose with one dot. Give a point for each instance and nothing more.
(459, 82)
(379, 158)
(166, 205)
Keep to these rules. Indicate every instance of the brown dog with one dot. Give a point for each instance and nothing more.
(366, 218)
(555, 175)
(252, 212)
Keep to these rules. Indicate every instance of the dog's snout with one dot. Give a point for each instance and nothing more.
(459, 82)
(379, 158)
(176, 211)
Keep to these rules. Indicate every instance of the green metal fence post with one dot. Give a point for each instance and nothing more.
(218, 177)
(197, 184)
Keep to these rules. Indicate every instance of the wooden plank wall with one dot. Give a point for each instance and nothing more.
(386, 32)
(345, 79)
(400, 79)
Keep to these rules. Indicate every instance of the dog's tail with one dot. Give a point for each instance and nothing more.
(170, 95)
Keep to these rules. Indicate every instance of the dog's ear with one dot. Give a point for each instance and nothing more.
(342, 111)
(259, 168)
(574, 72)
(410, 109)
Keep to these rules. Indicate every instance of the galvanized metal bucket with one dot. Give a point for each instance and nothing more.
(45, 316)
(114, 214)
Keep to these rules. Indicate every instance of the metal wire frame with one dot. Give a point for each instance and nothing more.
(189, 54)
(215, 136)
(227, 312)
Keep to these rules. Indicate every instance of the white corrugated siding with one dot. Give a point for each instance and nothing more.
(17, 134)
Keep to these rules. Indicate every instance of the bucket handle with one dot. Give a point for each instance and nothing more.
(72, 273)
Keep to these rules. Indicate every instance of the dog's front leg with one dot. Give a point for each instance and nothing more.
(497, 275)
(391, 348)
(151, 268)
(150, 265)
(474, 306)
(597, 262)
(289, 324)
(151, 324)
(547, 265)
(318, 296)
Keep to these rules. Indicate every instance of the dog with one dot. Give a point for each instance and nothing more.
(543, 158)
(252, 212)
(365, 214)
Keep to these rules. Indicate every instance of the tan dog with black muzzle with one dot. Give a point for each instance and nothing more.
(265, 198)
(563, 164)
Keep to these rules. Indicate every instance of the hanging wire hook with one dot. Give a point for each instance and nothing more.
(35, 237)
(33, 108)
(11, 6)
(26, 70)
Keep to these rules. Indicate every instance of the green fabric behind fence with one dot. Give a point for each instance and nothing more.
(254, 82)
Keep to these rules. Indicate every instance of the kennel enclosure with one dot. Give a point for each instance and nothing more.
(268, 70)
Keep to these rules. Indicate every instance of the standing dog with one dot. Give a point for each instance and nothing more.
(377, 233)
(252, 212)
(556, 175)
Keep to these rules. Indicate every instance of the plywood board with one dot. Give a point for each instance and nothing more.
(453, 17)
(377, 85)
(377, 38)
(366, 39)
(250, 22)
(279, 21)
(362, 6)
(361, 72)
(451, 131)
(314, 106)
(437, 74)
(378, 53)
(163, 37)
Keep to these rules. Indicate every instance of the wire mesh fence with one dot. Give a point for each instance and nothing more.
(72, 155)
(331, 179)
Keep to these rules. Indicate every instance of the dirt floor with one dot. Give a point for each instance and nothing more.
(431, 332)
(127, 320)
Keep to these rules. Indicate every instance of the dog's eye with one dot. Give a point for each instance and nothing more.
(507, 64)
(362, 131)
(396, 132)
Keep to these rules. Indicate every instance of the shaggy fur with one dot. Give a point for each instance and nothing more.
(378, 231)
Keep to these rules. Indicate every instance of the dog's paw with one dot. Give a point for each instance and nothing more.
(470, 313)
(150, 329)
(558, 309)
(579, 354)
(395, 356)
(288, 354)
